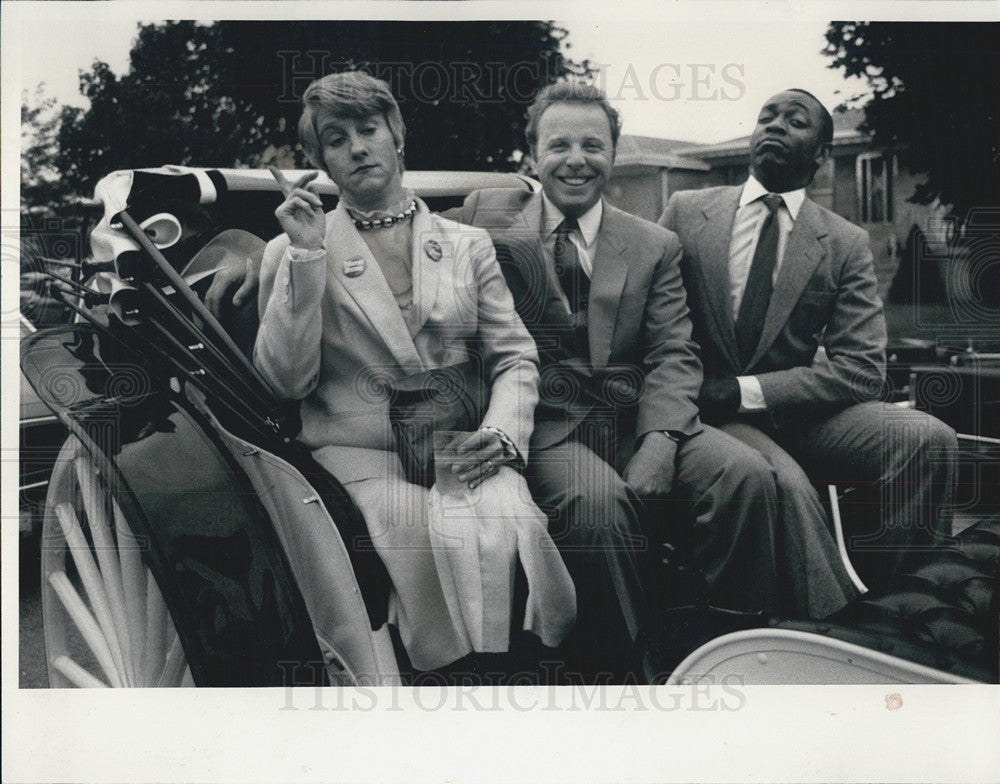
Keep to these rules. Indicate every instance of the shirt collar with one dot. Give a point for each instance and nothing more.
(753, 190)
(590, 221)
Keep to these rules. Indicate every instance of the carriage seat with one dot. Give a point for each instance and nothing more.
(229, 247)
(944, 612)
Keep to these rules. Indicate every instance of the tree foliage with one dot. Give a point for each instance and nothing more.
(935, 96)
(52, 216)
(228, 94)
(41, 185)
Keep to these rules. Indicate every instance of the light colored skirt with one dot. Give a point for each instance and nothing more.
(452, 562)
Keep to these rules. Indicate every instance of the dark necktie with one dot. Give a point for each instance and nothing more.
(757, 294)
(574, 281)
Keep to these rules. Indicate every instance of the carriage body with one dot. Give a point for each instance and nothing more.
(182, 517)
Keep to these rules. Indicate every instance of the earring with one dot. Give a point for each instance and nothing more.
(399, 151)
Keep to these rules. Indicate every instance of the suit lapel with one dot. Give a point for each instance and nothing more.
(530, 218)
(522, 233)
(802, 254)
(606, 285)
(426, 268)
(527, 227)
(712, 247)
(369, 290)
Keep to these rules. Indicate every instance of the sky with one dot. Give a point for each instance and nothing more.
(695, 79)
(704, 80)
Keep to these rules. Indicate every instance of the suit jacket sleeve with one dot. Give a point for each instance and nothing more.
(852, 367)
(508, 350)
(669, 217)
(674, 371)
(287, 351)
(466, 213)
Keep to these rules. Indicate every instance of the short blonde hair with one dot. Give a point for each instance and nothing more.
(352, 94)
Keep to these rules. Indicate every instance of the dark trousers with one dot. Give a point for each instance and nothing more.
(901, 463)
(604, 535)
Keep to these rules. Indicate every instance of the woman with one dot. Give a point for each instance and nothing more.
(381, 288)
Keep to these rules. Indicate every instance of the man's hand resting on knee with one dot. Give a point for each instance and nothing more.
(650, 472)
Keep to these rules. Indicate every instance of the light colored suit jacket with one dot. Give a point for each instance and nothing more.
(332, 339)
(638, 329)
(825, 293)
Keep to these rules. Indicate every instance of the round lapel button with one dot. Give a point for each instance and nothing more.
(354, 266)
(433, 250)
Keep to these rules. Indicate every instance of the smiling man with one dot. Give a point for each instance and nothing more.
(770, 277)
(617, 425)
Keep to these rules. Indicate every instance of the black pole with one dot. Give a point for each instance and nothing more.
(182, 288)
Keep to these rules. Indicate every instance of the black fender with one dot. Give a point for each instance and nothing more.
(209, 543)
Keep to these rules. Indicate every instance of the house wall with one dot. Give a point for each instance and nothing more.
(888, 237)
(735, 173)
(645, 194)
(639, 194)
(845, 197)
(845, 202)
(821, 189)
(683, 180)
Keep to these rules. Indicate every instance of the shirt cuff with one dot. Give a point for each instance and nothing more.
(751, 395)
(303, 254)
(510, 452)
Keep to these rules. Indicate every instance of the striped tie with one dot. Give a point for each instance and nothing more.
(574, 281)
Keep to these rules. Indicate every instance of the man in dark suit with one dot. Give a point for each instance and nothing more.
(792, 332)
(601, 292)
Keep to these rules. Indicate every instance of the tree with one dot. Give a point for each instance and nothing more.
(228, 94)
(41, 185)
(934, 97)
(51, 218)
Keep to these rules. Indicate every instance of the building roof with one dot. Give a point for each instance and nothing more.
(845, 131)
(636, 153)
(649, 151)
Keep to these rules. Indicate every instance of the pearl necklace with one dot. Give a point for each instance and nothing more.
(386, 222)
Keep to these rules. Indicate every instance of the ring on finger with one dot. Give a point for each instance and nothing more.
(490, 468)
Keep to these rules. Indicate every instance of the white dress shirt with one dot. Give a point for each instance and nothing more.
(746, 232)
